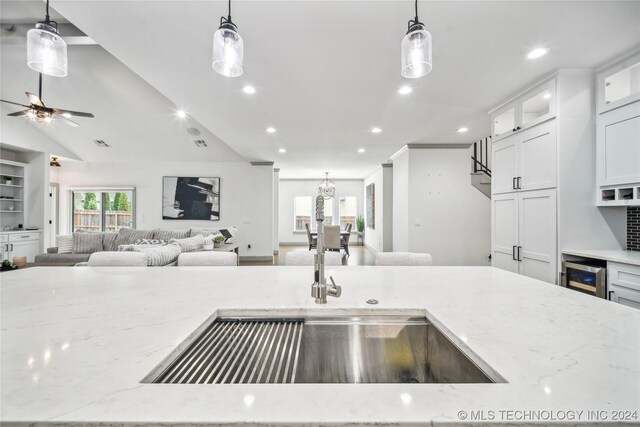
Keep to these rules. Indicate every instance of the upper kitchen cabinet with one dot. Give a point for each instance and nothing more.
(618, 134)
(536, 105)
(619, 85)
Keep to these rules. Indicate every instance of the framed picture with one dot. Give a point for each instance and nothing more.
(371, 206)
(191, 198)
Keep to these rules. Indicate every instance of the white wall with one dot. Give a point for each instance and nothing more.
(380, 238)
(581, 224)
(246, 196)
(290, 188)
(401, 200)
(441, 212)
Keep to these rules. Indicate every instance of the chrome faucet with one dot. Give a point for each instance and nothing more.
(319, 288)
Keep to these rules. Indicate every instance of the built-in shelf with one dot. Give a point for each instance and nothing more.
(10, 185)
(12, 176)
(619, 196)
(10, 211)
(11, 200)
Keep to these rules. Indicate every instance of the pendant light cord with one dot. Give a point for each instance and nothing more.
(416, 9)
(229, 17)
(47, 18)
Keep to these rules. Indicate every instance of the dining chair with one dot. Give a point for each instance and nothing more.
(332, 237)
(306, 258)
(118, 259)
(344, 241)
(313, 241)
(403, 259)
(207, 258)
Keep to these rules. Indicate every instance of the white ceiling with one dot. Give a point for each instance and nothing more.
(328, 71)
(130, 115)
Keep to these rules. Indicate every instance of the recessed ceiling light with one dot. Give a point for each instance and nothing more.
(537, 52)
(405, 90)
(249, 89)
(546, 96)
(376, 130)
(270, 130)
(181, 113)
(361, 150)
(282, 150)
(463, 130)
(67, 115)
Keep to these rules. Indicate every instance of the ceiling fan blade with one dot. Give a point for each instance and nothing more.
(72, 113)
(18, 113)
(14, 103)
(67, 121)
(34, 99)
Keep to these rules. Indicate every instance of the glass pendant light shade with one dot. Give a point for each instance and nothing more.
(228, 51)
(416, 52)
(46, 50)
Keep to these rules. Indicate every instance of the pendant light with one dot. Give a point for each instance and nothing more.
(46, 50)
(416, 50)
(227, 48)
(326, 188)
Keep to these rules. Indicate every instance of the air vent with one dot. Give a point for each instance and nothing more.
(101, 143)
(200, 143)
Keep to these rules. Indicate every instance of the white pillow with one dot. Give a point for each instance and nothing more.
(190, 244)
(64, 242)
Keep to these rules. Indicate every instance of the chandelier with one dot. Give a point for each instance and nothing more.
(326, 188)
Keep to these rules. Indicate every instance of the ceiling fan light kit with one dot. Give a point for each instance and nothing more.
(228, 48)
(46, 50)
(416, 49)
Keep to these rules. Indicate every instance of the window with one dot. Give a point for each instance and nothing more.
(348, 210)
(102, 210)
(302, 213)
(305, 213)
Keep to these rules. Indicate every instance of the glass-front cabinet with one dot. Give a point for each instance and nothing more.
(528, 109)
(619, 85)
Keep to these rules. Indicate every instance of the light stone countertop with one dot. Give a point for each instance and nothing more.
(624, 257)
(76, 342)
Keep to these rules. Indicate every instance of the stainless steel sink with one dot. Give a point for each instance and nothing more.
(344, 349)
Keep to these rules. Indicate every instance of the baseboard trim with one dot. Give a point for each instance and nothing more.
(294, 243)
(256, 258)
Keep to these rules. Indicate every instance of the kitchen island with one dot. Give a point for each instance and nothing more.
(76, 344)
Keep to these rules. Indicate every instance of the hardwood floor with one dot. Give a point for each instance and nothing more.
(360, 255)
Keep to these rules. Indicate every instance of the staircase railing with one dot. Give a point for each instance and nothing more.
(480, 158)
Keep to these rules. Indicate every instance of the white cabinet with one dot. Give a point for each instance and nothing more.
(624, 284)
(618, 157)
(526, 160)
(524, 233)
(20, 244)
(529, 109)
(619, 84)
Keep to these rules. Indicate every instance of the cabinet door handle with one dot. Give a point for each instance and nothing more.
(514, 129)
(11, 247)
(518, 128)
(24, 237)
(513, 253)
(519, 250)
(513, 184)
(518, 183)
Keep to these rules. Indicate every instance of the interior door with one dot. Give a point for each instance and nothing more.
(537, 153)
(504, 230)
(537, 232)
(505, 165)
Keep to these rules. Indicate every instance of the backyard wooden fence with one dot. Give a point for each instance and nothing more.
(89, 220)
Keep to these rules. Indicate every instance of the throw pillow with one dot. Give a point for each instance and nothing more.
(189, 244)
(109, 241)
(87, 243)
(167, 235)
(127, 236)
(149, 242)
(158, 256)
(64, 242)
(204, 231)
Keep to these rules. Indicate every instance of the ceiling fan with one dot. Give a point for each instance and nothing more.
(37, 111)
